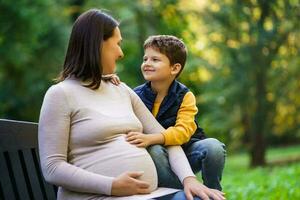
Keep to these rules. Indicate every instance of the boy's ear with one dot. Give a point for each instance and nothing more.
(176, 69)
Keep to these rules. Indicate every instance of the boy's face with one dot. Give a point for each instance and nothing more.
(156, 66)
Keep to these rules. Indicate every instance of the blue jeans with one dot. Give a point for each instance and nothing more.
(207, 156)
(176, 196)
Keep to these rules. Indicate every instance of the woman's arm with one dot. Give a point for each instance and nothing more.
(54, 129)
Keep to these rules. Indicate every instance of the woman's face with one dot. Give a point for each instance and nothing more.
(111, 51)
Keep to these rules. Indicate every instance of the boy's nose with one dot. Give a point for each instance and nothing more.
(145, 64)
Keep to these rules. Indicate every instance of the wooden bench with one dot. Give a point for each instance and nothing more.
(20, 173)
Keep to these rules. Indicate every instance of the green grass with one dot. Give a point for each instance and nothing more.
(269, 183)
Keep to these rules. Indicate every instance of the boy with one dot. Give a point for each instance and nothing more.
(174, 106)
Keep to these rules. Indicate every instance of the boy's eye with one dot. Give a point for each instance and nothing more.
(155, 59)
(144, 59)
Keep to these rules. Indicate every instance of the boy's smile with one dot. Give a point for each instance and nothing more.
(148, 69)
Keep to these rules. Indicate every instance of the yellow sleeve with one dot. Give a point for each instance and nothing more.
(185, 122)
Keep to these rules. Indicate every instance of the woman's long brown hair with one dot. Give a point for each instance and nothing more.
(83, 54)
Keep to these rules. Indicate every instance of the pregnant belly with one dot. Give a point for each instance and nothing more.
(116, 157)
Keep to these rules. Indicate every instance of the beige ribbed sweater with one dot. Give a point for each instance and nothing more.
(82, 142)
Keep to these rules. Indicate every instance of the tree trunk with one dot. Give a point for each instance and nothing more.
(258, 139)
(258, 143)
(258, 150)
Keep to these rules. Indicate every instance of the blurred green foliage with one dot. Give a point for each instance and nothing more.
(269, 183)
(243, 63)
(32, 43)
(253, 59)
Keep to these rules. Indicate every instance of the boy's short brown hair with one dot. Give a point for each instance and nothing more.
(169, 45)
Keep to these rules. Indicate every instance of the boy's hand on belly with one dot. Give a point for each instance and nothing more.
(144, 140)
(138, 139)
(128, 184)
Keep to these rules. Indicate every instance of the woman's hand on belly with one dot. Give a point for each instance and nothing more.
(128, 184)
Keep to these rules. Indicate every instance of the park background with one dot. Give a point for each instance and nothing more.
(243, 66)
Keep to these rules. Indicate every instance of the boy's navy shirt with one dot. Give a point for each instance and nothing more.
(169, 107)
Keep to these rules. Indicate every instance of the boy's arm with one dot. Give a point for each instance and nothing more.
(185, 125)
(179, 134)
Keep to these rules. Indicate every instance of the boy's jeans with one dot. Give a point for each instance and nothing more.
(207, 156)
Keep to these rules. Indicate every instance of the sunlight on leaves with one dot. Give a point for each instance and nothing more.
(204, 75)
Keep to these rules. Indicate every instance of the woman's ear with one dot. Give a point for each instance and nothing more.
(175, 69)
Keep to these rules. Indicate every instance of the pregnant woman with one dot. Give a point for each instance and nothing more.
(84, 121)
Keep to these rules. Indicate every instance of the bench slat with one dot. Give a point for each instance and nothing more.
(6, 183)
(16, 135)
(32, 174)
(21, 176)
